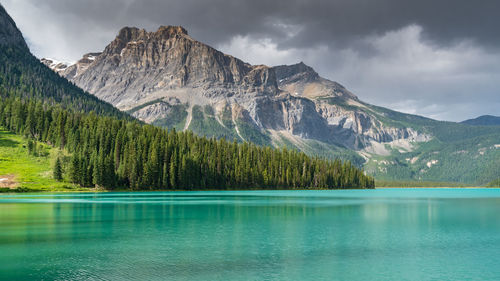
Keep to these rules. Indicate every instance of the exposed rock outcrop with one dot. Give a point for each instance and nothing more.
(143, 72)
(54, 64)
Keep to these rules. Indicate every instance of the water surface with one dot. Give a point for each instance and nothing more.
(385, 234)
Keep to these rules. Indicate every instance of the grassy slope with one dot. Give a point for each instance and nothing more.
(473, 160)
(495, 183)
(32, 173)
(464, 153)
(204, 123)
(176, 118)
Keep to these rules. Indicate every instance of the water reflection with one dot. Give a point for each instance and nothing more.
(249, 235)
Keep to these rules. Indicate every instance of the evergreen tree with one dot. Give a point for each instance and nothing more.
(58, 171)
(74, 171)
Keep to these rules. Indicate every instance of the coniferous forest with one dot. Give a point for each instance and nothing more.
(110, 153)
(111, 150)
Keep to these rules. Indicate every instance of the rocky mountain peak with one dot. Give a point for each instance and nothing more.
(128, 34)
(167, 78)
(134, 34)
(55, 65)
(89, 58)
(171, 31)
(138, 66)
(299, 69)
(302, 80)
(9, 33)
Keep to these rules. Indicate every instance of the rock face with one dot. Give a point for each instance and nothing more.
(54, 64)
(139, 66)
(168, 78)
(9, 33)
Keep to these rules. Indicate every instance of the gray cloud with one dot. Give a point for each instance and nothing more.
(400, 70)
(436, 58)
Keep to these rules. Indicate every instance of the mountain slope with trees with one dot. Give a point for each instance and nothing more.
(484, 120)
(112, 153)
(23, 76)
(109, 149)
(169, 79)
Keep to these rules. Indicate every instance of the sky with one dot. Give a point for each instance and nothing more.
(436, 58)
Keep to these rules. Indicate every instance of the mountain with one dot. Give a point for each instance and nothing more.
(9, 33)
(485, 120)
(106, 150)
(22, 75)
(54, 64)
(167, 78)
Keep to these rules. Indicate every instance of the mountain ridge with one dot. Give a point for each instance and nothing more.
(9, 33)
(101, 147)
(290, 102)
(483, 120)
(166, 78)
(22, 75)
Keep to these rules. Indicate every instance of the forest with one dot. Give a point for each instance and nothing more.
(110, 149)
(111, 153)
(495, 183)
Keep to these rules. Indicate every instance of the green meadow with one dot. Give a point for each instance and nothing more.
(22, 170)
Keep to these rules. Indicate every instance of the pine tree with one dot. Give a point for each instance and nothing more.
(165, 182)
(58, 172)
(173, 173)
(74, 171)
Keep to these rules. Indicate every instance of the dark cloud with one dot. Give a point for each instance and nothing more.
(436, 58)
(311, 22)
(320, 21)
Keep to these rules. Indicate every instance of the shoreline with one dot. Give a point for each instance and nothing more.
(14, 191)
(449, 187)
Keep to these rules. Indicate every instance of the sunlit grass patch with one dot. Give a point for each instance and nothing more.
(25, 171)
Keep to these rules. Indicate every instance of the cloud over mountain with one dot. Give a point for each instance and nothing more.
(438, 59)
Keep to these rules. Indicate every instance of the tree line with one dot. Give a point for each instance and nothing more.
(110, 149)
(118, 153)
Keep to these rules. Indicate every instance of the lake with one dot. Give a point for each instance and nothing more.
(383, 234)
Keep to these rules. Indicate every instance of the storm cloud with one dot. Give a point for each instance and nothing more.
(439, 59)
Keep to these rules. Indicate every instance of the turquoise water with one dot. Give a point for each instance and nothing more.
(386, 234)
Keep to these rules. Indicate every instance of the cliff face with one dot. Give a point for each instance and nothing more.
(9, 33)
(168, 78)
(139, 65)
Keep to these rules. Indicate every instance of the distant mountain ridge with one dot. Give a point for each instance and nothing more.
(167, 78)
(9, 33)
(484, 120)
(23, 76)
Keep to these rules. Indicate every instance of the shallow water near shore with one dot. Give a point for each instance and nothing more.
(383, 234)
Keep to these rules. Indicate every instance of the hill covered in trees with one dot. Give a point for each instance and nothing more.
(110, 149)
(485, 120)
(23, 76)
(113, 153)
